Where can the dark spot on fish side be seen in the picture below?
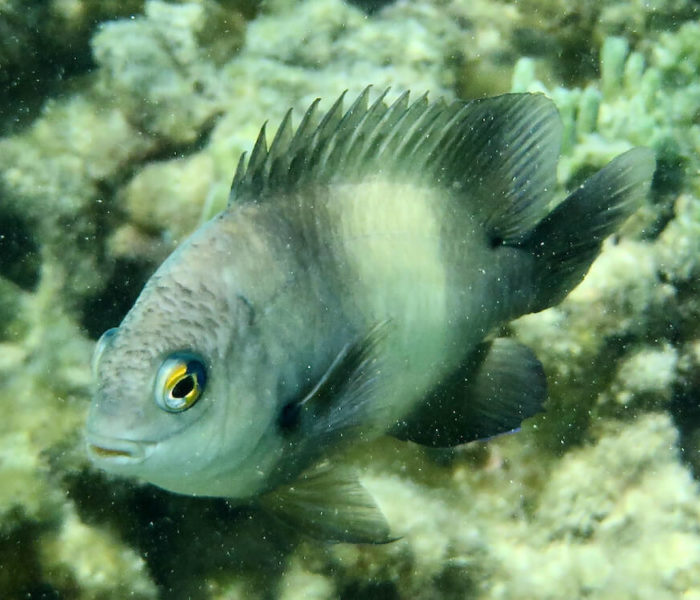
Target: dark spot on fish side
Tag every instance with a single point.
(495, 241)
(290, 416)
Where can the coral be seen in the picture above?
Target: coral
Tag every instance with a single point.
(640, 99)
(594, 498)
(163, 66)
(185, 182)
(93, 561)
(617, 519)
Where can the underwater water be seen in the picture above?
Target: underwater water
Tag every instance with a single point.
(121, 124)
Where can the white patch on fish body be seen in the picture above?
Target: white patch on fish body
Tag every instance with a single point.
(390, 238)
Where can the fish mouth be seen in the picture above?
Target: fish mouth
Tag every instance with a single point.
(116, 452)
(106, 452)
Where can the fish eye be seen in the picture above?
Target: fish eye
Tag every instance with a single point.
(180, 382)
(102, 343)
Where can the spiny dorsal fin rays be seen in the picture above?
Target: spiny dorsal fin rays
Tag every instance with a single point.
(305, 129)
(259, 155)
(284, 135)
(240, 174)
(432, 134)
(276, 163)
(348, 124)
(357, 131)
(404, 127)
(326, 132)
(387, 123)
(301, 165)
(499, 154)
(299, 159)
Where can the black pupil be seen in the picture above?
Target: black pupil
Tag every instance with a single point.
(183, 387)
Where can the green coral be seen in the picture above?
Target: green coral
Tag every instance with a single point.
(642, 101)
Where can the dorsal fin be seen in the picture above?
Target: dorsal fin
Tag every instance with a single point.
(498, 153)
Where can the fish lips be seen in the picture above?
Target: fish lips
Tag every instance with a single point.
(115, 453)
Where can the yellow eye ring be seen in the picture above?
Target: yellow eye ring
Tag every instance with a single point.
(180, 382)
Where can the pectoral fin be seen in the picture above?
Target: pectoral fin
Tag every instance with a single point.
(344, 398)
(491, 392)
(329, 503)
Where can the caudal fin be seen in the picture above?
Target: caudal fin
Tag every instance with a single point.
(566, 241)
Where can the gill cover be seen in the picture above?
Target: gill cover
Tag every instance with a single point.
(104, 341)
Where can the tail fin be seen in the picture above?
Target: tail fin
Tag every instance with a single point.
(566, 241)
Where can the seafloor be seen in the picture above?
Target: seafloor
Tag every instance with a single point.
(121, 125)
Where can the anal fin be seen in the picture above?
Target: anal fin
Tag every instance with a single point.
(328, 503)
(491, 392)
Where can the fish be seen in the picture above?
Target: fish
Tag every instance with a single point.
(353, 287)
